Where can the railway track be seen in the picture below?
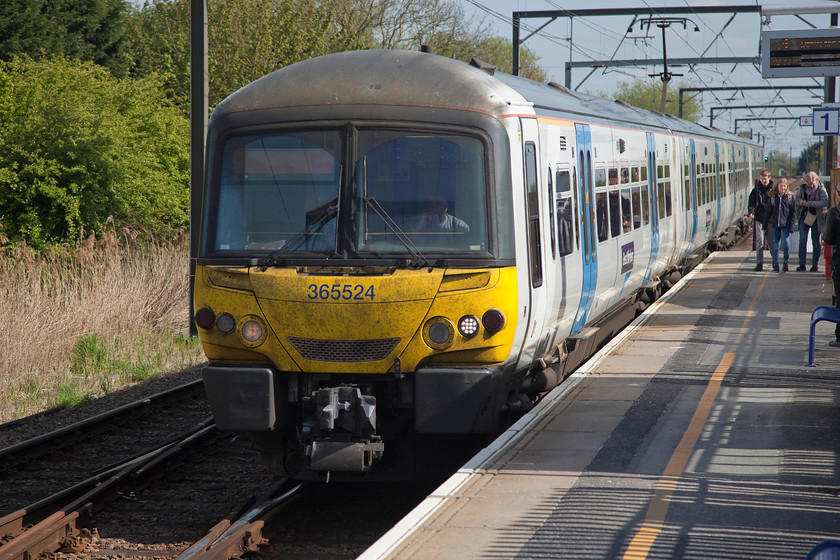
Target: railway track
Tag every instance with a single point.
(153, 478)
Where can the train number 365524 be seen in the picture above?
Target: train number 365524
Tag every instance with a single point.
(347, 292)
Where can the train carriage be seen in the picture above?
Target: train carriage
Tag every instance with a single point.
(396, 245)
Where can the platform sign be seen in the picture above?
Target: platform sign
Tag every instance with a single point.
(806, 120)
(799, 53)
(826, 121)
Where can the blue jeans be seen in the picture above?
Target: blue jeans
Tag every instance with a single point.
(779, 234)
(803, 242)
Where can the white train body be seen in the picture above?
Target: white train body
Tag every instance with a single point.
(580, 211)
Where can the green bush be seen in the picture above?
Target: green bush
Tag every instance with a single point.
(79, 147)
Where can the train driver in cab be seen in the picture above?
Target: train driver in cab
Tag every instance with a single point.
(436, 218)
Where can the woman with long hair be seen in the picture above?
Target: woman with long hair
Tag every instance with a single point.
(779, 221)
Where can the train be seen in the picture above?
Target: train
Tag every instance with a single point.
(399, 250)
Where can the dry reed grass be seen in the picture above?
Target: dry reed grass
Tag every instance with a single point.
(80, 321)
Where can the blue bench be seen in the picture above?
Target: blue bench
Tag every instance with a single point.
(821, 313)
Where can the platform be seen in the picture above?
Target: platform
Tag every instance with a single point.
(698, 432)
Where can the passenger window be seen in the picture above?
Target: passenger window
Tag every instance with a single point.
(615, 213)
(644, 172)
(626, 211)
(601, 215)
(637, 207)
(625, 175)
(563, 202)
(613, 176)
(645, 205)
(600, 177)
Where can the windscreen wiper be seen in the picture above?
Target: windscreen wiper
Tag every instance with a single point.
(314, 226)
(392, 225)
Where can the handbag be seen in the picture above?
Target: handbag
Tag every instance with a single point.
(810, 219)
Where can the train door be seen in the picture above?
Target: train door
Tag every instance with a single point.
(654, 205)
(589, 246)
(718, 187)
(691, 214)
(533, 205)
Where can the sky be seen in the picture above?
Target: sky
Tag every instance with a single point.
(606, 38)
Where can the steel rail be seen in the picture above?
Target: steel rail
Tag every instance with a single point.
(49, 533)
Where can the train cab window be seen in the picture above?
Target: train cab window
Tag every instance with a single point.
(563, 203)
(626, 211)
(601, 215)
(429, 185)
(276, 188)
(636, 194)
(615, 213)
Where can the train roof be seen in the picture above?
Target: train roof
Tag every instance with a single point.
(413, 78)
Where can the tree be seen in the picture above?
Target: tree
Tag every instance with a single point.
(92, 30)
(246, 39)
(497, 51)
(811, 158)
(404, 24)
(79, 147)
(647, 95)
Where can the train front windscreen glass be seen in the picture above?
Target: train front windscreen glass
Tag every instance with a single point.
(369, 193)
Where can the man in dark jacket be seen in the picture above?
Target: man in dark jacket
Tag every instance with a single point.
(831, 236)
(757, 206)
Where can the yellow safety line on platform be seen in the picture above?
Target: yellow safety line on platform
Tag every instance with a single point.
(664, 488)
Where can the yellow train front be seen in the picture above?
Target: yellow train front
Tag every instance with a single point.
(356, 284)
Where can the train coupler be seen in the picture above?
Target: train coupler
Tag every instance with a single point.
(342, 436)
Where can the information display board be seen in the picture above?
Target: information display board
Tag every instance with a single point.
(800, 53)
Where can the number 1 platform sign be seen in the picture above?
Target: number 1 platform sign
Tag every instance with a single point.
(826, 121)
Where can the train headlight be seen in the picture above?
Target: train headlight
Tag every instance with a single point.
(438, 333)
(205, 318)
(493, 320)
(468, 326)
(225, 323)
(252, 331)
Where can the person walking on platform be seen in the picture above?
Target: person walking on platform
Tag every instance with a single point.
(831, 236)
(779, 220)
(810, 200)
(757, 206)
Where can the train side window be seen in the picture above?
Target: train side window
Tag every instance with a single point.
(645, 205)
(626, 211)
(563, 201)
(533, 203)
(625, 175)
(661, 197)
(601, 215)
(615, 213)
(551, 215)
(660, 171)
(637, 206)
(644, 172)
(613, 175)
(575, 199)
(601, 177)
